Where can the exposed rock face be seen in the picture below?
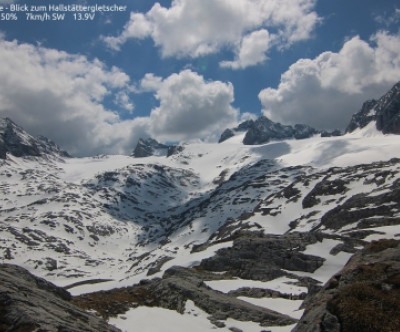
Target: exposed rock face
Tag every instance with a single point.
(385, 112)
(14, 140)
(173, 290)
(149, 147)
(364, 296)
(174, 149)
(28, 303)
(263, 130)
(243, 127)
(264, 257)
(253, 256)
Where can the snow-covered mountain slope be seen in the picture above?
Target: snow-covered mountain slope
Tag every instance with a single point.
(278, 218)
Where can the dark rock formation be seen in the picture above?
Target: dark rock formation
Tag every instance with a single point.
(385, 112)
(263, 130)
(369, 211)
(364, 296)
(227, 133)
(263, 257)
(149, 147)
(172, 291)
(28, 303)
(53, 147)
(174, 149)
(14, 140)
(243, 127)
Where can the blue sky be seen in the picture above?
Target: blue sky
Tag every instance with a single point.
(187, 69)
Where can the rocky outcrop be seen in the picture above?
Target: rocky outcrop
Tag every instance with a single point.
(364, 296)
(253, 256)
(149, 147)
(385, 112)
(243, 127)
(172, 291)
(28, 303)
(263, 130)
(17, 142)
(264, 257)
(174, 149)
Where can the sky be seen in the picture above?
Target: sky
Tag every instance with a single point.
(185, 70)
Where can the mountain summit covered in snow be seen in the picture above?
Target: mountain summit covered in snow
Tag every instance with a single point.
(232, 235)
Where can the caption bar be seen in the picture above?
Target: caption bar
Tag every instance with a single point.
(56, 12)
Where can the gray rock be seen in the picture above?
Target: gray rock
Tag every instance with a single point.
(226, 134)
(369, 211)
(364, 296)
(174, 149)
(149, 147)
(17, 142)
(179, 285)
(263, 130)
(385, 112)
(28, 303)
(260, 257)
(243, 127)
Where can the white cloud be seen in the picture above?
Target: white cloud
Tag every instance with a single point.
(246, 116)
(150, 83)
(60, 95)
(388, 19)
(252, 50)
(192, 28)
(324, 92)
(191, 107)
(137, 27)
(122, 99)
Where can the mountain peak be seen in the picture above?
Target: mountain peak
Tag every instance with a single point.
(16, 141)
(147, 147)
(385, 112)
(263, 130)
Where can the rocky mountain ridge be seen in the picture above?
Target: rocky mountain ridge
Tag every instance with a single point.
(385, 112)
(14, 140)
(262, 130)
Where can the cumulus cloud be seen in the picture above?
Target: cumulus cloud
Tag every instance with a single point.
(190, 107)
(324, 92)
(252, 50)
(62, 96)
(150, 83)
(192, 28)
(124, 101)
(59, 95)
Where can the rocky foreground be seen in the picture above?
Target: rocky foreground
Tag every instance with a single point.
(364, 296)
(29, 303)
